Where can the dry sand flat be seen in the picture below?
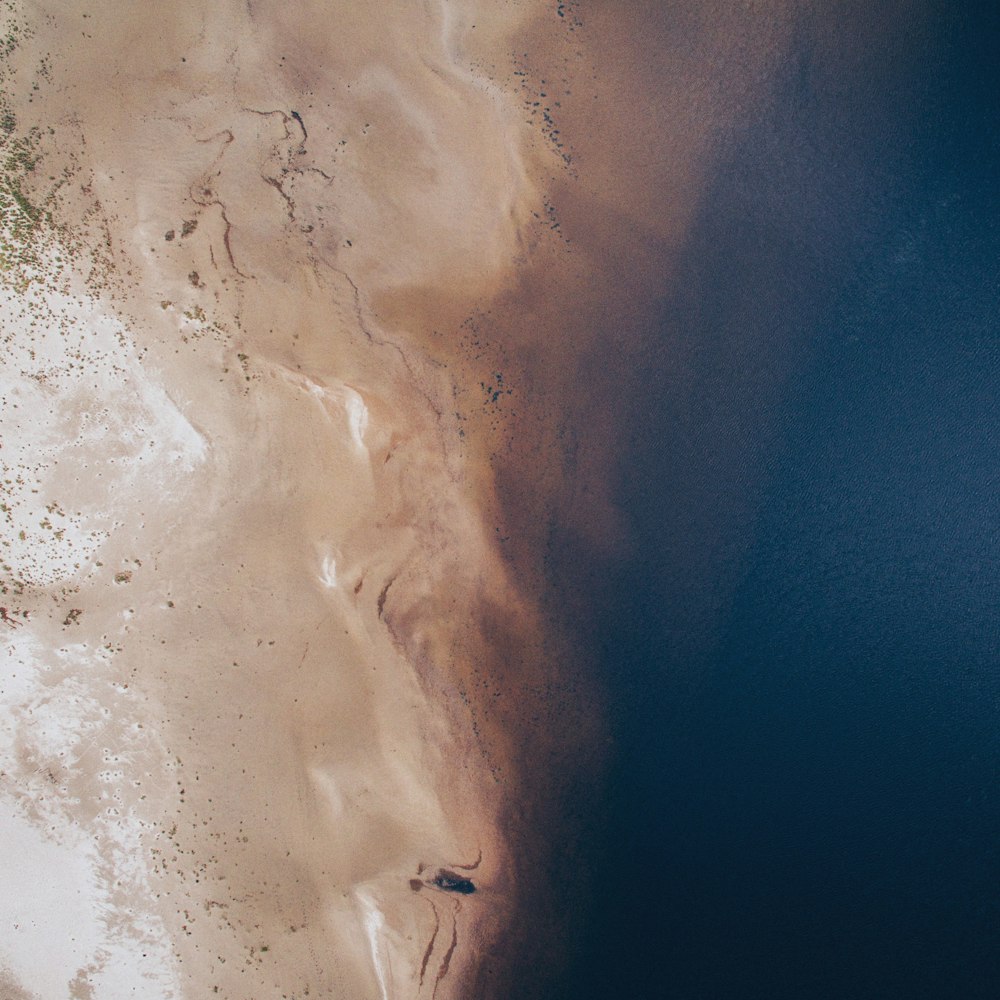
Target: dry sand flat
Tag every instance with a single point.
(238, 542)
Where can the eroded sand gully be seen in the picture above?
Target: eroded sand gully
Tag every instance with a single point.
(317, 281)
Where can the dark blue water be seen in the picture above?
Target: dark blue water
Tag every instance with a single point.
(804, 649)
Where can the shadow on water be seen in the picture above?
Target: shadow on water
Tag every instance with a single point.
(802, 652)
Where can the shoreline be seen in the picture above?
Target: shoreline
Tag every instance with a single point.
(347, 499)
(373, 287)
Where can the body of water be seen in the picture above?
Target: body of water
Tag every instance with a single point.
(803, 653)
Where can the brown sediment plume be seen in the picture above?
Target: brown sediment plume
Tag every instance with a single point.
(385, 347)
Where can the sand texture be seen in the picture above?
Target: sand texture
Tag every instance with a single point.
(238, 540)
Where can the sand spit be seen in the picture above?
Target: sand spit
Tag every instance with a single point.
(241, 545)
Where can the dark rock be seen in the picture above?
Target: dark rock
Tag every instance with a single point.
(451, 882)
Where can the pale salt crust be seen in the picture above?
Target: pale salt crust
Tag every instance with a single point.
(221, 769)
(81, 419)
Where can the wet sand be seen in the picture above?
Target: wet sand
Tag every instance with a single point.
(308, 416)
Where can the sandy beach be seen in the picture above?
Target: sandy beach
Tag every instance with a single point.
(241, 554)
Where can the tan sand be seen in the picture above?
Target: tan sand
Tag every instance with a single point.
(235, 740)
